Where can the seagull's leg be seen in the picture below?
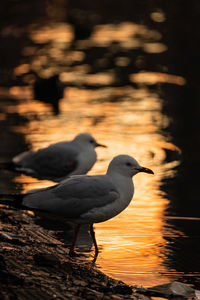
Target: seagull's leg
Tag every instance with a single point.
(76, 230)
(92, 233)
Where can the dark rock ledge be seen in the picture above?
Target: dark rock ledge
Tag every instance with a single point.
(35, 265)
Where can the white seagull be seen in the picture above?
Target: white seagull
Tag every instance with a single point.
(89, 199)
(60, 160)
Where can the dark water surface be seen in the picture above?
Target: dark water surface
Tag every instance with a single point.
(131, 76)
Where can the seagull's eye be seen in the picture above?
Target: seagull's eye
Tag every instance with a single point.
(92, 141)
(128, 164)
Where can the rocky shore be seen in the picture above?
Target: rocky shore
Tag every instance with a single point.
(35, 265)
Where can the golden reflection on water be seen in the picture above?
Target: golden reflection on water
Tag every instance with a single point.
(128, 34)
(57, 32)
(128, 121)
(132, 242)
(155, 77)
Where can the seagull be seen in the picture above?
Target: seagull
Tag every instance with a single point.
(60, 160)
(88, 199)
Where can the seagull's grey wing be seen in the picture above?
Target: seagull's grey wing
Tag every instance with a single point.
(75, 196)
(55, 161)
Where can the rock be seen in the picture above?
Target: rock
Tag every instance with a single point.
(197, 294)
(13, 239)
(79, 282)
(172, 289)
(92, 294)
(67, 266)
(46, 260)
(122, 289)
(7, 277)
(36, 270)
(114, 297)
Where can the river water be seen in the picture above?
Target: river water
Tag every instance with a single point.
(124, 84)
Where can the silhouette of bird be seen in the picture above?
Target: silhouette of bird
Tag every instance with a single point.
(49, 90)
(83, 23)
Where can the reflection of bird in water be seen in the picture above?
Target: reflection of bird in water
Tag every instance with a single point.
(60, 160)
(88, 199)
(49, 90)
(83, 23)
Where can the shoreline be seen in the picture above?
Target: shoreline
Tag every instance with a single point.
(35, 265)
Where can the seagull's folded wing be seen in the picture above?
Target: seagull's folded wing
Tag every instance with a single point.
(53, 162)
(75, 196)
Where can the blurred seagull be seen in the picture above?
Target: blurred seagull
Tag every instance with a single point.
(49, 90)
(87, 199)
(59, 160)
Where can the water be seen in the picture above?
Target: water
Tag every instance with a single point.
(122, 88)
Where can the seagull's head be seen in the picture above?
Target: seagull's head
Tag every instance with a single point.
(87, 140)
(126, 166)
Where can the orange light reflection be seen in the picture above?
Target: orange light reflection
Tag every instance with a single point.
(131, 243)
(155, 77)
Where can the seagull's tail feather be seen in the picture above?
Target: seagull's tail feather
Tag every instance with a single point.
(13, 200)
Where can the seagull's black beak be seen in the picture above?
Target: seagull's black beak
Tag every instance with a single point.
(100, 145)
(146, 170)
